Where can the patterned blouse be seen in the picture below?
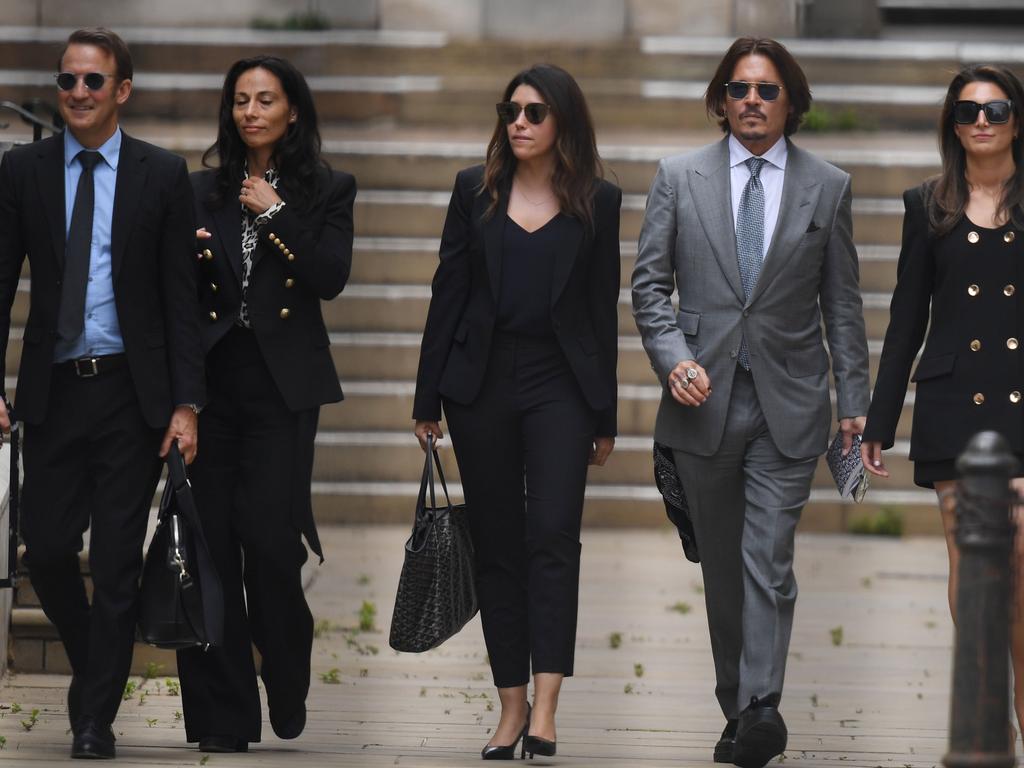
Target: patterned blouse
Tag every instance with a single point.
(251, 224)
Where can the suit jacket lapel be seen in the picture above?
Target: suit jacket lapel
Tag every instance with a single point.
(800, 192)
(50, 178)
(710, 191)
(565, 258)
(494, 230)
(228, 222)
(131, 181)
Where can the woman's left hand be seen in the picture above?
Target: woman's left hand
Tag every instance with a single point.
(257, 195)
(602, 450)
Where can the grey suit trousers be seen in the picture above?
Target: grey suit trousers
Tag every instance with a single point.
(745, 500)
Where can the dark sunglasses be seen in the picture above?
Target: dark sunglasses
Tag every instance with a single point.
(508, 111)
(66, 81)
(738, 89)
(996, 112)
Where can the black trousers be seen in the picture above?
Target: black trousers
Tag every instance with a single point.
(242, 481)
(91, 464)
(522, 448)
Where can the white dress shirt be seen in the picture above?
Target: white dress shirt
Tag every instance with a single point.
(773, 173)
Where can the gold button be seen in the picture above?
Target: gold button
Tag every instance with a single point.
(208, 254)
(272, 236)
(973, 237)
(1009, 290)
(1015, 396)
(214, 287)
(287, 252)
(291, 257)
(978, 398)
(1008, 238)
(282, 246)
(277, 241)
(973, 290)
(284, 313)
(213, 316)
(1012, 343)
(289, 282)
(975, 345)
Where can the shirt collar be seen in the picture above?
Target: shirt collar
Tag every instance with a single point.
(776, 155)
(110, 150)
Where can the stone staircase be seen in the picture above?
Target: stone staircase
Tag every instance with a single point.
(405, 111)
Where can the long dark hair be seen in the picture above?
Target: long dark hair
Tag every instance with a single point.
(297, 154)
(948, 191)
(793, 80)
(577, 163)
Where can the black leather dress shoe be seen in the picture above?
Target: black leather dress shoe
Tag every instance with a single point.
(93, 742)
(290, 725)
(760, 733)
(724, 747)
(223, 744)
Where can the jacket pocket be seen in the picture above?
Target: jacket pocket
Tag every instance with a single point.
(688, 322)
(810, 362)
(933, 367)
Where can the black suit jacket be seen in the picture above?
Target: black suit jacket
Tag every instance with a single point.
(969, 304)
(301, 258)
(463, 305)
(153, 233)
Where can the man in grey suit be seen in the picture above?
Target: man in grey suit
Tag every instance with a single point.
(755, 234)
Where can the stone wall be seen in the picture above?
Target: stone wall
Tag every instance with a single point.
(539, 20)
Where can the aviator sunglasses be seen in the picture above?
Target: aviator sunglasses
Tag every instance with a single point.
(508, 111)
(66, 81)
(738, 89)
(996, 112)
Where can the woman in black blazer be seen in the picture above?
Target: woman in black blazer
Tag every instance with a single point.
(962, 267)
(520, 348)
(275, 240)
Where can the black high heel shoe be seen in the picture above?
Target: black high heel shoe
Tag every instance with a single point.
(508, 752)
(535, 745)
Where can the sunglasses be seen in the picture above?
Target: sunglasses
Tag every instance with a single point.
(66, 81)
(996, 112)
(738, 89)
(508, 111)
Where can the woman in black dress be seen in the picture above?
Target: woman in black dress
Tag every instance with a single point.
(520, 346)
(961, 266)
(275, 240)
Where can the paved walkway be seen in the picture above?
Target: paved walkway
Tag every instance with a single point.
(867, 686)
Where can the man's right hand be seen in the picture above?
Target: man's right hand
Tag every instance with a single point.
(687, 390)
(423, 428)
(5, 419)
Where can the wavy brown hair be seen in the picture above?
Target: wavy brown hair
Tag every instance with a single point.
(949, 191)
(793, 80)
(577, 163)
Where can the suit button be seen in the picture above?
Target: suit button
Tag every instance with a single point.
(291, 256)
(286, 252)
(213, 316)
(1012, 343)
(1015, 397)
(208, 254)
(280, 245)
(289, 282)
(1009, 290)
(285, 312)
(1008, 238)
(973, 237)
(973, 290)
(975, 345)
(732, 354)
(272, 237)
(978, 398)
(214, 287)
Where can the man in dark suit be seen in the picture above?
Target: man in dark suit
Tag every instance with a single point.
(111, 367)
(756, 236)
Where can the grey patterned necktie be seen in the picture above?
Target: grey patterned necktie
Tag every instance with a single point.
(750, 238)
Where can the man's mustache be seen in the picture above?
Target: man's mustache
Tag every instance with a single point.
(752, 113)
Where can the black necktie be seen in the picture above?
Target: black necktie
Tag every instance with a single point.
(77, 251)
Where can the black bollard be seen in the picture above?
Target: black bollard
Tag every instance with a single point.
(980, 711)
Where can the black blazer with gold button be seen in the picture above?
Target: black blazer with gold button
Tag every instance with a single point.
(963, 290)
(463, 304)
(302, 257)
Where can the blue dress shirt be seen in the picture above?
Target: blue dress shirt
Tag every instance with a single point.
(102, 332)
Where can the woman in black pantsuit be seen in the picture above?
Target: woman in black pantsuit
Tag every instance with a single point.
(275, 240)
(520, 346)
(961, 266)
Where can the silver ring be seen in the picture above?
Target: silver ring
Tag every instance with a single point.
(691, 373)
(684, 383)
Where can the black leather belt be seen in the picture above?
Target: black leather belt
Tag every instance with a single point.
(87, 367)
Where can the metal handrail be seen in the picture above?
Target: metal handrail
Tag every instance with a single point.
(38, 124)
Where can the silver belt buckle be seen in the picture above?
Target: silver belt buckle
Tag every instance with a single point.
(86, 368)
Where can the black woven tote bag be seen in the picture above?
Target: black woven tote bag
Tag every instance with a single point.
(437, 588)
